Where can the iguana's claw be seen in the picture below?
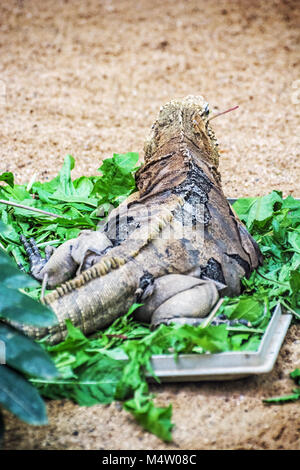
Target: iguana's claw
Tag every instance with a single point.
(35, 259)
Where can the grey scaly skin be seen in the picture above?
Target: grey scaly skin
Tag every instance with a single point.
(175, 245)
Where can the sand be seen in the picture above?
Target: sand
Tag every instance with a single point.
(87, 79)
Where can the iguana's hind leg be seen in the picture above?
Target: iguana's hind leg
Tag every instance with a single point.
(187, 307)
(179, 298)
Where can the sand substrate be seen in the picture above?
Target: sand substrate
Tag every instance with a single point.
(87, 79)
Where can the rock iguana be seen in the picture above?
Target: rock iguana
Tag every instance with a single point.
(175, 245)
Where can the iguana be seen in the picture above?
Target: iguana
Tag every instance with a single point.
(175, 245)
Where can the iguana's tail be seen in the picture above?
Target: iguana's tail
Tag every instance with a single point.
(98, 302)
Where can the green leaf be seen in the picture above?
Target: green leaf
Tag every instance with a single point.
(92, 378)
(99, 378)
(75, 340)
(248, 308)
(117, 179)
(259, 210)
(8, 231)
(126, 161)
(238, 339)
(66, 184)
(252, 344)
(291, 397)
(93, 382)
(45, 190)
(83, 187)
(284, 398)
(67, 191)
(156, 420)
(2, 227)
(295, 281)
(26, 355)
(8, 177)
(17, 193)
(18, 396)
(296, 375)
(294, 240)
(133, 375)
(242, 207)
(263, 208)
(16, 306)
(291, 203)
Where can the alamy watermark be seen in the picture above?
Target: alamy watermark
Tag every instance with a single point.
(148, 222)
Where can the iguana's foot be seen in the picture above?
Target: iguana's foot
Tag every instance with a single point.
(70, 258)
(179, 298)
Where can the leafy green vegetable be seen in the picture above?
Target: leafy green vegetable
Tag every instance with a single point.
(296, 375)
(258, 211)
(117, 182)
(245, 307)
(277, 231)
(77, 192)
(87, 377)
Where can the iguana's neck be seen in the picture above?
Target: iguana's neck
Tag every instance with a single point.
(172, 164)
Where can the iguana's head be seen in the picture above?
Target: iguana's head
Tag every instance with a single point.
(188, 117)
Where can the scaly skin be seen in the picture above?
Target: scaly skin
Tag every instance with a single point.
(179, 222)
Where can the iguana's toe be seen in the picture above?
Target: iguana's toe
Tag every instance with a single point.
(49, 250)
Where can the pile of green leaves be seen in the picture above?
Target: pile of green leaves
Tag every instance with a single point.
(114, 364)
(77, 204)
(275, 224)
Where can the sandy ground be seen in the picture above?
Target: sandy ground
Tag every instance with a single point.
(88, 78)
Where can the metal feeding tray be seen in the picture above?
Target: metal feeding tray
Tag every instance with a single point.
(227, 365)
